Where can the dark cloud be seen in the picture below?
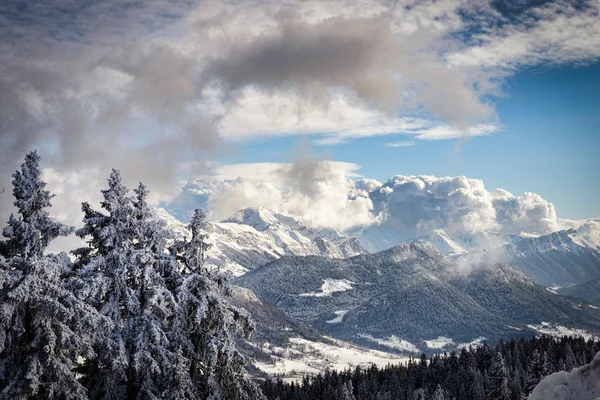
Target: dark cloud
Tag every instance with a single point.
(365, 57)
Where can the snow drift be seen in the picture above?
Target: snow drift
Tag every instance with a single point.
(580, 384)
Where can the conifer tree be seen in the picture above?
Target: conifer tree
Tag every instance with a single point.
(533, 375)
(440, 393)
(44, 328)
(120, 268)
(498, 380)
(347, 391)
(570, 360)
(206, 323)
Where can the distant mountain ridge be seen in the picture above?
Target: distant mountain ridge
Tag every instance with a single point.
(252, 238)
(559, 258)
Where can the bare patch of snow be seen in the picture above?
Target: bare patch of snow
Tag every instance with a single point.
(439, 343)
(548, 328)
(393, 342)
(473, 343)
(340, 316)
(304, 357)
(553, 289)
(514, 327)
(330, 286)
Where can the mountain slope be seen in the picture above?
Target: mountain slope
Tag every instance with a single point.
(558, 258)
(410, 292)
(282, 345)
(588, 291)
(253, 238)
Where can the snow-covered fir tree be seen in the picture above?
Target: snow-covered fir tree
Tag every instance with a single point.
(498, 381)
(206, 323)
(44, 328)
(439, 394)
(174, 328)
(122, 279)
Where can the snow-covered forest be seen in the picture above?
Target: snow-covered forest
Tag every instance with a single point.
(507, 371)
(132, 315)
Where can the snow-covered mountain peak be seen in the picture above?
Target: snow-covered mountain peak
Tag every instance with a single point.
(416, 250)
(567, 240)
(256, 237)
(452, 243)
(442, 240)
(263, 218)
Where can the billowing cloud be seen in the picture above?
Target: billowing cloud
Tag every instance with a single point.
(529, 213)
(417, 204)
(317, 192)
(363, 56)
(590, 230)
(322, 194)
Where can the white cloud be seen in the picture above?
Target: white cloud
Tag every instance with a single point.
(407, 143)
(555, 32)
(443, 132)
(320, 193)
(316, 192)
(529, 213)
(590, 230)
(141, 86)
(416, 204)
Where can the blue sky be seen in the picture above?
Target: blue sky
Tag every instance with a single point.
(549, 143)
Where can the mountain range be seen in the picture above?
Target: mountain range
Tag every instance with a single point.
(252, 238)
(559, 258)
(442, 289)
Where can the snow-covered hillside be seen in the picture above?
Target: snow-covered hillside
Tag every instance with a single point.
(559, 258)
(252, 238)
(283, 346)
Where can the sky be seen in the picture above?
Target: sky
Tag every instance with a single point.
(503, 93)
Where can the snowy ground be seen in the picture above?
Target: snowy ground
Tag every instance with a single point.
(580, 384)
(439, 343)
(553, 289)
(473, 343)
(340, 316)
(551, 329)
(307, 357)
(394, 342)
(330, 286)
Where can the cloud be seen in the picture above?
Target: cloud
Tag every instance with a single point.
(315, 191)
(147, 85)
(443, 132)
(552, 33)
(321, 193)
(415, 205)
(529, 213)
(363, 57)
(407, 143)
(590, 230)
